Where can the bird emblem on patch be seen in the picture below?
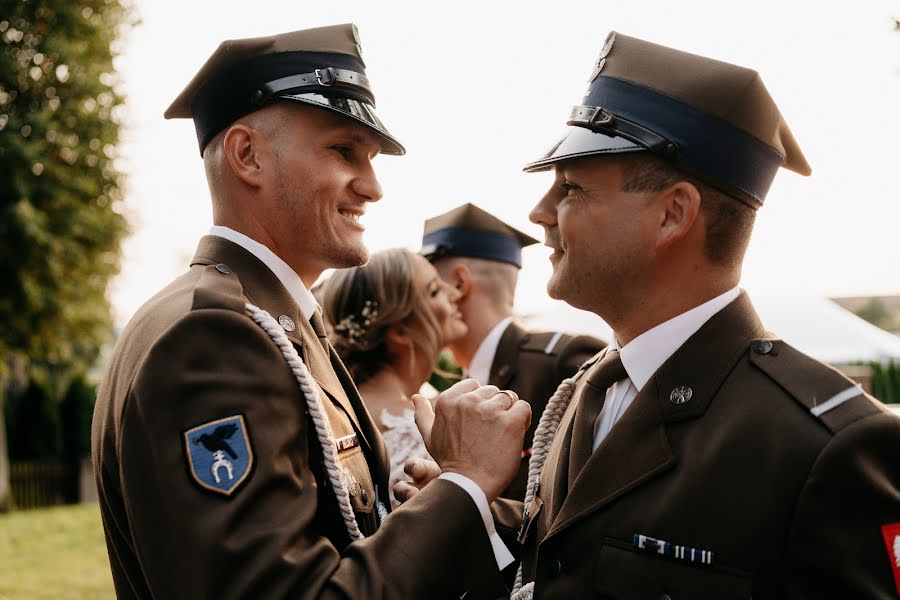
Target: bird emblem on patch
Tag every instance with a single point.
(219, 454)
(891, 535)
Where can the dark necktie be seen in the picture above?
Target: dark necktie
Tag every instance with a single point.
(318, 326)
(608, 371)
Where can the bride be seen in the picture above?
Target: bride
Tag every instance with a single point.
(388, 321)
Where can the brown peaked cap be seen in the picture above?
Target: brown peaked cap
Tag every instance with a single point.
(470, 231)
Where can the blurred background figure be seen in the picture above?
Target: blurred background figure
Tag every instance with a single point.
(388, 320)
(480, 256)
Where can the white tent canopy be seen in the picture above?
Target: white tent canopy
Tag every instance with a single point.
(816, 326)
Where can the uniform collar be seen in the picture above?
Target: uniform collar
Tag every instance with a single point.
(285, 274)
(480, 367)
(647, 352)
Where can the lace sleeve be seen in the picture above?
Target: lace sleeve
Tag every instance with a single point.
(403, 440)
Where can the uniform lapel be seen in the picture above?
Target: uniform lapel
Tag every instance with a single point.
(637, 450)
(263, 288)
(507, 356)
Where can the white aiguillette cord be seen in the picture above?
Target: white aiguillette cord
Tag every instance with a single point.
(543, 439)
(316, 413)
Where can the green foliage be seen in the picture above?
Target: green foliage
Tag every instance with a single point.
(446, 374)
(33, 425)
(886, 382)
(60, 221)
(42, 428)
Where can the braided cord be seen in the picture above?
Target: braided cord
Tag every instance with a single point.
(543, 439)
(316, 413)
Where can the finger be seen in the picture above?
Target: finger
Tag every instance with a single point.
(521, 412)
(485, 392)
(421, 470)
(461, 387)
(403, 491)
(424, 417)
(501, 401)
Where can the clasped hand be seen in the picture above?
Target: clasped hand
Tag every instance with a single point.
(476, 431)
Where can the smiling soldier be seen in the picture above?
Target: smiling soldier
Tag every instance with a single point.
(234, 457)
(699, 456)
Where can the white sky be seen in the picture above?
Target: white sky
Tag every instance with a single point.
(474, 90)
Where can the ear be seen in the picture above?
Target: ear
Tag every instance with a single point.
(462, 280)
(397, 336)
(681, 205)
(242, 146)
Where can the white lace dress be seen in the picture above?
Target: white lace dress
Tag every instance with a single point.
(403, 440)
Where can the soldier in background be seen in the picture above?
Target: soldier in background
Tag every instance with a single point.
(481, 256)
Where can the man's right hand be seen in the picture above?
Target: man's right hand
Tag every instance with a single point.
(476, 431)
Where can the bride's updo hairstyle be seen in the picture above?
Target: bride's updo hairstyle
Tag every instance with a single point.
(362, 303)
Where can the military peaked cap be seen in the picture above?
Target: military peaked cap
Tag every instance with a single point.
(712, 119)
(470, 231)
(322, 67)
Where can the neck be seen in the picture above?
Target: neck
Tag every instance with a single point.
(650, 310)
(480, 321)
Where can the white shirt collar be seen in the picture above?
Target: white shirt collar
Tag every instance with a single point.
(285, 274)
(480, 367)
(646, 353)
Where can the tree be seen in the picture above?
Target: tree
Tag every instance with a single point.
(60, 222)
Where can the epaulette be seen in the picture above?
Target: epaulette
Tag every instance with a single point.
(544, 342)
(218, 287)
(828, 395)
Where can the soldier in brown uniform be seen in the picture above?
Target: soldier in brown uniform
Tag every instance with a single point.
(700, 456)
(480, 256)
(233, 455)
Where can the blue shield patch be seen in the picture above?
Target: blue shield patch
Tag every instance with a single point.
(219, 454)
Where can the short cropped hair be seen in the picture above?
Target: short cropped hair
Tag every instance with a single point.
(729, 220)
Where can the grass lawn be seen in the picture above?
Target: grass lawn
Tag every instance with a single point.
(54, 553)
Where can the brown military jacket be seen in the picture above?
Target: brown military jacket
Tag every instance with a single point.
(532, 364)
(773, 478)
(196, 390)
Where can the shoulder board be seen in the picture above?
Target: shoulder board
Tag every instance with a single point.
(218, 287)
(826, 393)
(544, 342)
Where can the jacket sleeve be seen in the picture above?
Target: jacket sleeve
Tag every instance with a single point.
(265, 539)
(837, 547)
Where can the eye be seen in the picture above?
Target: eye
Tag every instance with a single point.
(344, 151)
(567, 187)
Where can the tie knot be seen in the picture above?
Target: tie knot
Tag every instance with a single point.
(607, 371)
(318, 325)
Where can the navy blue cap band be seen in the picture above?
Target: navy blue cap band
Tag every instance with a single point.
(474, 243)
(706, 145)
(230, 95)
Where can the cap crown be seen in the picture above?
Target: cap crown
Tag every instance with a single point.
(321, 66)
(470, 231)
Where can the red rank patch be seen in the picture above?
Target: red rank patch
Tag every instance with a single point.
(891, 534)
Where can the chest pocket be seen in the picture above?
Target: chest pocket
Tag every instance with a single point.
(623, 573)
(354, 467)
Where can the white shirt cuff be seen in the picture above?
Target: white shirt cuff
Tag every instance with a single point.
(501, 553)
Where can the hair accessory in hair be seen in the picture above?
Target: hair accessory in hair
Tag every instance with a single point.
(354, 327)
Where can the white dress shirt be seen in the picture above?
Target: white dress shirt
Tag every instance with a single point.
(480, 367)
(307, 303)
(285, 274)
(646, 353)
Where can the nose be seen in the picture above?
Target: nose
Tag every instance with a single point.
(366, 185)
(544, 212)
(453, 293)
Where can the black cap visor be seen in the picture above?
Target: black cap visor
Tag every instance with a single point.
(359, 111)
(578, 142)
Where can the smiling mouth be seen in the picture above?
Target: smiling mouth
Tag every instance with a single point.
(353, 215)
